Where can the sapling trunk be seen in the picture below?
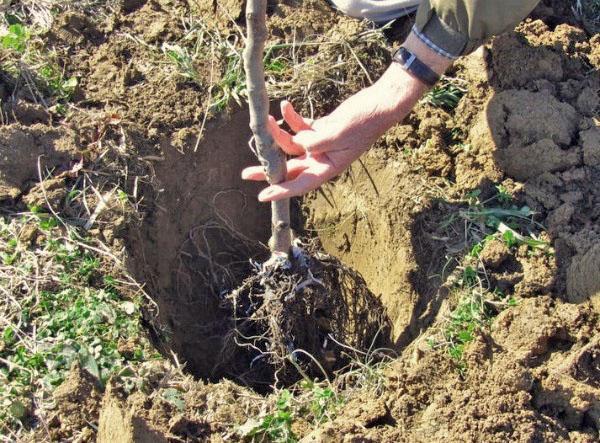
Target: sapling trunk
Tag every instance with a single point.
(270, 156)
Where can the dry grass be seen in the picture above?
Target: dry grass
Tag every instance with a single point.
(41, 13)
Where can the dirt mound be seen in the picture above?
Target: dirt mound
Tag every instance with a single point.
(524, 382)
(178, 409)
(77, 401)
(534, 131)
(25, 148)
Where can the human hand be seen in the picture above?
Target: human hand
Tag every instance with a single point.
(323, 148)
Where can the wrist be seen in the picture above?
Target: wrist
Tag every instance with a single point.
(400, 90)
(436, 62)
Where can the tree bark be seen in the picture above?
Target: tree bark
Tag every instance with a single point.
(269, 154)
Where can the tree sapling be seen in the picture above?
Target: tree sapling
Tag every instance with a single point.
(270, 156)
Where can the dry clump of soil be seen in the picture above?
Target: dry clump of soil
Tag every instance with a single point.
(178, 408)
(22, 146)
(76, 407)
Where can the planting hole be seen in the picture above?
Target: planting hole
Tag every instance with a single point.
(195, 245)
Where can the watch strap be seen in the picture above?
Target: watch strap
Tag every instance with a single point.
(411, 63)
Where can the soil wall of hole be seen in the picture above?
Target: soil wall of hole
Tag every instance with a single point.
(182, 250)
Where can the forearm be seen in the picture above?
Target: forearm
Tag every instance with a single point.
(327, 146)
(368, 114)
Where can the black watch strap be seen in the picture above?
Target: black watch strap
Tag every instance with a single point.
(412, 64)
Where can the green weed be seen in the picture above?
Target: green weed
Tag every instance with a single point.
(184, 62)
(232, 85)
(37, 66)
(16, 38)
(317, 402)
(59, 312)
(496, 219)
(324, 402)
(503, 196)
(447, 95)
(59, 86)
(277, 426)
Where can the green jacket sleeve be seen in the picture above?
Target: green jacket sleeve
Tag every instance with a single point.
(456, 27)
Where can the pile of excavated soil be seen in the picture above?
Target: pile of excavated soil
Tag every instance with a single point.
(536, 129)
(528, 121)
(534, 378)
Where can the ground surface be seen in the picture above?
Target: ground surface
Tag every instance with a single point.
(475, 223)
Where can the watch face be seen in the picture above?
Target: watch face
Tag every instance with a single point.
(403, 55)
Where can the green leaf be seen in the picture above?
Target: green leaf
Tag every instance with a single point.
(173, 396)
(8, 335)
(17, 410)
(88, 362)
(16, 38)
(465, 336)
(283, 402)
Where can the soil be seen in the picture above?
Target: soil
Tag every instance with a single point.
(529, 121)
(20, 149)
(522, 385)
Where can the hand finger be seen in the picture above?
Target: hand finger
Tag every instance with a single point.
(257, 173)
(254, 173)
(314, 142)
(296, 122)
(284, 139)
(302, 184)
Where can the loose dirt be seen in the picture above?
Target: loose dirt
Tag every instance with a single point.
(528, 121)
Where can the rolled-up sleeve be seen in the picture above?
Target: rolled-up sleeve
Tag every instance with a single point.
(457, 27)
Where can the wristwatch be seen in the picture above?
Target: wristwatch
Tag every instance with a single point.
(416, 67)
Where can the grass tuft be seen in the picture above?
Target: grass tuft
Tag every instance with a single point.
(315, 402)
(446, 94)
(29, 62)
(498, 218)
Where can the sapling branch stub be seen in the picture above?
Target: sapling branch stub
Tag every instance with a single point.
(270, 156)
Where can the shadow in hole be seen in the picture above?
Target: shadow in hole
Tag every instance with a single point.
(201, 226)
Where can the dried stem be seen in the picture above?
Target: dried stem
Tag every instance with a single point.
(270, 156)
